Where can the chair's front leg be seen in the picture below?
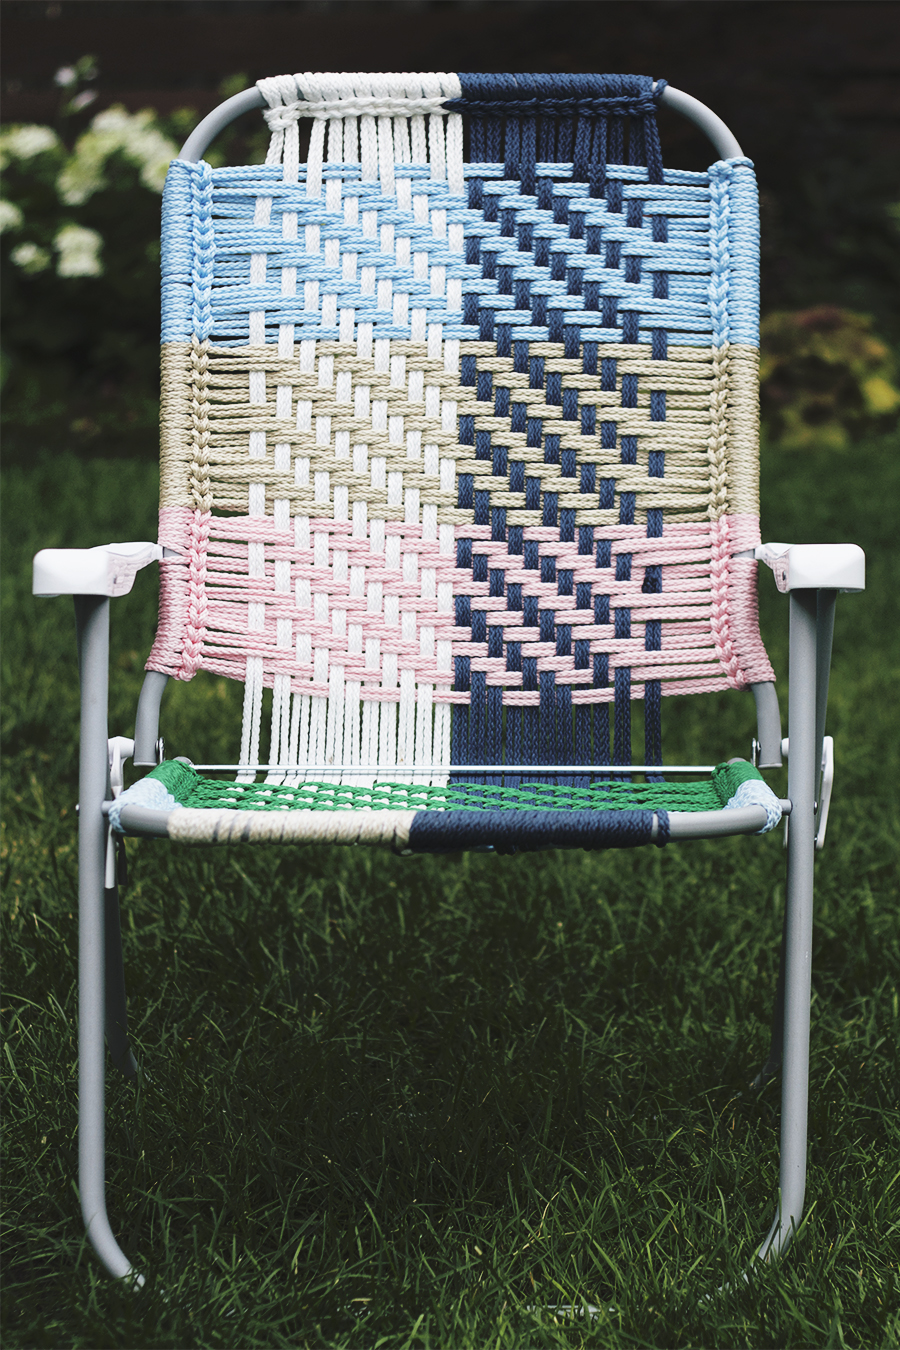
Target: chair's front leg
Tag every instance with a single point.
(92, 619)
(776, 1043)
(798, 925)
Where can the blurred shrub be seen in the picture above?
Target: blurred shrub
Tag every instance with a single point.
(80, 272)
(825, 378)
(80, 281)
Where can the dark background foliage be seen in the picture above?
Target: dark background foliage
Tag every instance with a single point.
(810, 89)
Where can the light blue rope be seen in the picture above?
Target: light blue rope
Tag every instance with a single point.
(734, 253)
(204, 249)
(754, 792)
(177, 254)
(712, 256)
(149, 792)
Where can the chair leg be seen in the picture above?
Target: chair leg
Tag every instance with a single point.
(116, 1005)
(798, 925)
(92, 619)
(776, 1044)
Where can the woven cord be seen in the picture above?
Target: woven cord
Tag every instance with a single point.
(438, 458)
(190, 789)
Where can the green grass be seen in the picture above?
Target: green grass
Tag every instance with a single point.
(417, 1102)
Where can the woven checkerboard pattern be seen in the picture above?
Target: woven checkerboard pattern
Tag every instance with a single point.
(459, 455)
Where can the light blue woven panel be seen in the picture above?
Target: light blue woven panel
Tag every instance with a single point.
(710, 255)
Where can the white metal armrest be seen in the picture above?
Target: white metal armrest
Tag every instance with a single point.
(109, 569)
(815, 567)
(827, 569)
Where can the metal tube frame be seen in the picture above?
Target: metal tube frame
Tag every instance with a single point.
(146, 722)
(99, 938)
(100, 968)
(825, 607)
(792, 1018)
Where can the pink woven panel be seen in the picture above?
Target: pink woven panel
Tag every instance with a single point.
(708, 612)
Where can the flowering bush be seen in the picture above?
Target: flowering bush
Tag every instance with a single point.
(825, 378)
(80, 259)
(138, 138)
(79, 174)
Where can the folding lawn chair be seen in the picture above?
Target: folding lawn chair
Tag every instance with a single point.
(459, 457)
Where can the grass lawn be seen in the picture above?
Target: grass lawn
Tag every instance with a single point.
(417, 1102)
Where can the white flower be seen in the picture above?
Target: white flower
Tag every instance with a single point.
(10, 216)
(30, 257)
(25, 142)
(65, 76)
(115, 129)
(79, 252)
(82, 100)
(83, 175)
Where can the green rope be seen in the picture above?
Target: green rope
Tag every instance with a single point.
(189, 788)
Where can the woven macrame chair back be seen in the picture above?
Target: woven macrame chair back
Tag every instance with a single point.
(459, 455)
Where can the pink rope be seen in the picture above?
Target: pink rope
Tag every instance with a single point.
(744, 604)
(174, 533)
(197, 604)
(720, 619)
(707, 607)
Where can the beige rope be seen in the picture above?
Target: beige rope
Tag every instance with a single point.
(201, 492)
(743, 431)
(175, 425)
(718, 435)
(193, 825)
(208, 416)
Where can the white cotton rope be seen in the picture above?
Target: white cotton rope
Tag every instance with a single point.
(382, 121)
(194, 825)
(355, 106)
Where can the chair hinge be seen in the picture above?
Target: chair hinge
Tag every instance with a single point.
(824, 787)
(120, 749)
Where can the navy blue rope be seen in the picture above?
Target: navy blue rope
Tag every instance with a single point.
(567, 118)
(652, 727)
(653, 576)
(523, 831)
(588, 121)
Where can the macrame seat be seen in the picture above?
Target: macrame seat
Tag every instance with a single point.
(459, 461)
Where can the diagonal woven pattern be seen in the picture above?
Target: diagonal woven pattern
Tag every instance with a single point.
(457, 456)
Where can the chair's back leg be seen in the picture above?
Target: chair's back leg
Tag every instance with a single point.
(799, 916)
(116, 1005)
(146, 724)
(92, 619)
(825, 605)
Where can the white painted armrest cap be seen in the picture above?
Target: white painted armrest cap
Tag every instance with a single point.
(109, 569)
(797, 567)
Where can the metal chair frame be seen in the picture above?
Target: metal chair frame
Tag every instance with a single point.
(812, 574)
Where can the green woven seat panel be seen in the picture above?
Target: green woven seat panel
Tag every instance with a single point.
(191, 789)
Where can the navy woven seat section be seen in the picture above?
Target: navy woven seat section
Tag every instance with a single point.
(521, 832)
